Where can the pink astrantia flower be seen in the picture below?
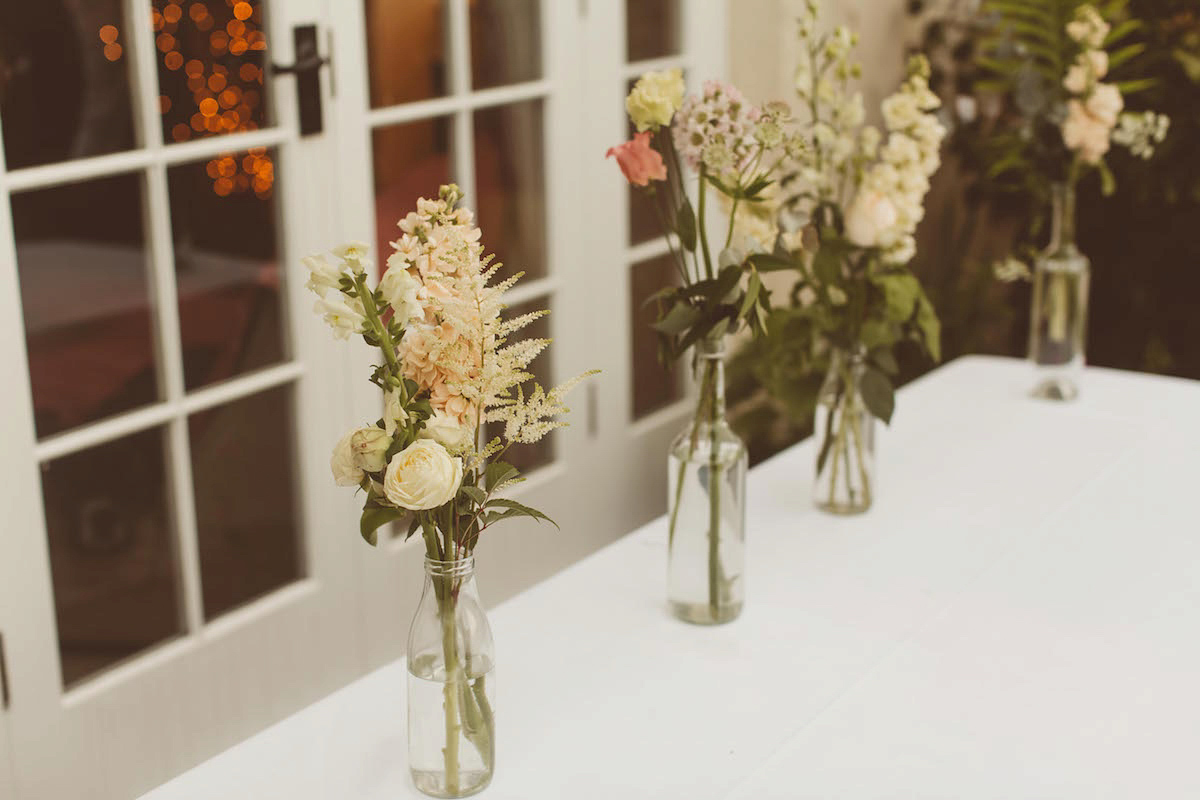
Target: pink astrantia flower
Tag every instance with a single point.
(639, 162)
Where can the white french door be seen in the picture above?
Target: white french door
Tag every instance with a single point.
(170, 575)
(642, 406)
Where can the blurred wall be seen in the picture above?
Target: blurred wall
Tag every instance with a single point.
(762, 44)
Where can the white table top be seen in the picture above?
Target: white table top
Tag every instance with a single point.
(1016, 618)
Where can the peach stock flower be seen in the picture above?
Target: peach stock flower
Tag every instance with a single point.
(639, 162)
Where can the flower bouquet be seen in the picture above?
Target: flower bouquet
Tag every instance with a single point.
(734, 150)
(450, 364)
(1046, 61)
(857, 198)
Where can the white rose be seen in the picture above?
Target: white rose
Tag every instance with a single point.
(1105, 103)
(869, 218)
(369, 446)
(655, 98)
(345, 471)
(446, 430)
(422, 476)
(400, 291)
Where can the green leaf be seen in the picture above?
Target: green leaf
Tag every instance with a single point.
(753, 287)
(1125, 53)
(685, 225)
(515, 509)
(930, 327)
(681, 317)
(497, 473)
(900, 291)
(476, 494)
(878, 394)
(374, 518)
(1132, 87)
(1108, 182)
(883, 358)
(769, 262)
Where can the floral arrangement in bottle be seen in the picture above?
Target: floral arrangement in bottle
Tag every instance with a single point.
(451, 363)
(734, 151)
(1048, 61)
(856, 195)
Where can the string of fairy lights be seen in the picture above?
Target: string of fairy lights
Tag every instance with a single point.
(211, 82)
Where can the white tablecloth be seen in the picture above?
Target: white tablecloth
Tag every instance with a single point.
(1018, 617)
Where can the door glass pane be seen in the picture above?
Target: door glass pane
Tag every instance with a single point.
(81, 258)
(64, 80)
(410, 161)
(527, 457)
(247, 523)
(212, 63)
(407, 50)
(510, 186)
(654, 386)
(112, 556)
(506, 42)
(226, 265)
(652, 29)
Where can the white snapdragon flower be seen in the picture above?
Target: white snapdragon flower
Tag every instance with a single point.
(393, 411)
(400, 290)
(1084, 133)
(1088, 27)
(322, 276)
(345, 315)
(354, 256)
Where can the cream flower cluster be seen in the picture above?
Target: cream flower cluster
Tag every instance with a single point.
(1141, 132)
(1092, 112)
(890, 198)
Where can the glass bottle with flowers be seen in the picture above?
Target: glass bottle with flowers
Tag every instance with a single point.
(1047, 60)
(734, 151)
(450, 364)
(857, 199)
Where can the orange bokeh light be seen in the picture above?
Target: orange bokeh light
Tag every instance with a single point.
(164, 104)
(181, 132)
(230, 97)
(112, 51)
(208, 107)
(216, 82)
(173, 60)
(197, 12)
(194, 67)
(235, 27)
(248, 72)
(197, 122)
(165, 42)
(172, 13)
(238, 46)
(223, 186)
(242, 10)
(109, 33)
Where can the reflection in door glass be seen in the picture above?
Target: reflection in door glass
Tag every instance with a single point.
(652, 29)
(64, 80)
(226, 265)
(506, 42)
(91, 351)
(410, 161)
(112, 558)
(211, 57)
(510, 186)
(246, 518)
(406, 50)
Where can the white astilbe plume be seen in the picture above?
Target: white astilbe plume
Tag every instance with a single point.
(528, 419)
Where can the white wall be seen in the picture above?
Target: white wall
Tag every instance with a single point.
(762, 44)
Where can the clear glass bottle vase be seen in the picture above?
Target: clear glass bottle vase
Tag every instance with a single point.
(707, 503)
(451, 685)
(1058, 317)
(845, 431)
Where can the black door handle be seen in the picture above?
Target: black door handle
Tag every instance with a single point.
(307, 70)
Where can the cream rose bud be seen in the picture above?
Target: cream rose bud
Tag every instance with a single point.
(422, 476)
(655, 98)
(370, 446)
(447, 431)
(342, 464)
(869, 217)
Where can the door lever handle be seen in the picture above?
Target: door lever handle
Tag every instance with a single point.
(307, 70)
